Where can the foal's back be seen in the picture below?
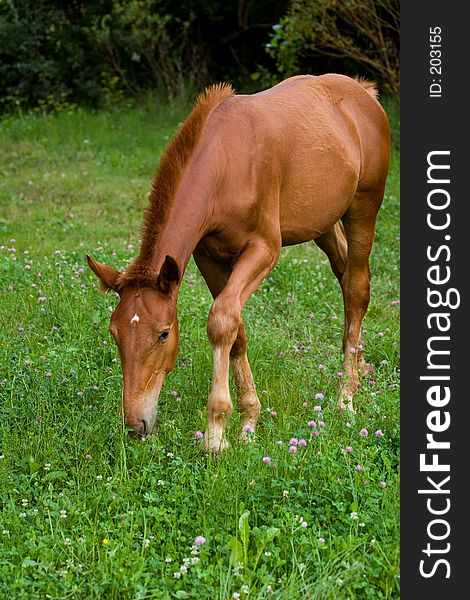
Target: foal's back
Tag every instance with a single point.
(299, 152)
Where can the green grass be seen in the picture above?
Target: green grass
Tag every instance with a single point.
(86, 512)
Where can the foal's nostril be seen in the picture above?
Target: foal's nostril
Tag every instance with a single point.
(144, 428)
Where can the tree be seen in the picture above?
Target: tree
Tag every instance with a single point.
(363, 33)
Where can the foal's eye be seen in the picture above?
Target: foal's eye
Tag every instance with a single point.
(164, 335)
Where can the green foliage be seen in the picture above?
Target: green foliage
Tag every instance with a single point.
(48, 52)
(240, 547)
(57, 55)
(54, 53)
(354, 35)
(146, 45)
(88, 512)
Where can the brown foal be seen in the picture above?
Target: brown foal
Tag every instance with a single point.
(243, 176)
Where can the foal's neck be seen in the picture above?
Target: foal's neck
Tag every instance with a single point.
(188, 219)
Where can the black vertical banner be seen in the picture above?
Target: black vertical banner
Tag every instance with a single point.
(435, 236)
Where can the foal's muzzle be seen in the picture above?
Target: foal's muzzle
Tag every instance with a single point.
(140, 409)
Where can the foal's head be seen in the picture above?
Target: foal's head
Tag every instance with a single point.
(144, 326)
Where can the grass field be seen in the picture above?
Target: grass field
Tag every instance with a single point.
(87, 512)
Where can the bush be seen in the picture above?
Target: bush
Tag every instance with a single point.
(55, 53)
(352, 34)
(48, 53)
(148, 46)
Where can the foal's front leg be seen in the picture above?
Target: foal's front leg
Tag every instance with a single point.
(223, 326)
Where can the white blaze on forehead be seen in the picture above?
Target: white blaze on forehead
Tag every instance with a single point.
(135, 318)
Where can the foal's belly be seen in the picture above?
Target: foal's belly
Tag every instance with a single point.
(308, 215)
(317, 191)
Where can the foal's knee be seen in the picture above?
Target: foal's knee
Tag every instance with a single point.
(223, 322)
(219, 406)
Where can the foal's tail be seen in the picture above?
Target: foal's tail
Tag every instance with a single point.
(369, 86)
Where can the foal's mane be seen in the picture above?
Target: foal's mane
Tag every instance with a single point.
(166, 179)
(369, 86)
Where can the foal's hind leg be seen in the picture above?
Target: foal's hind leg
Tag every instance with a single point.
(359, 225)
(335, 246)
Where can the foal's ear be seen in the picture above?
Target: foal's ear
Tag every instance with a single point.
(106, 275)
(169, 275)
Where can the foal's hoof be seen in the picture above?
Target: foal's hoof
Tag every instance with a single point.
(212, 446)
(346, 403)
(368, 370)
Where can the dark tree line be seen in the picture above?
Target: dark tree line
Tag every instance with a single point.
(56, 52)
